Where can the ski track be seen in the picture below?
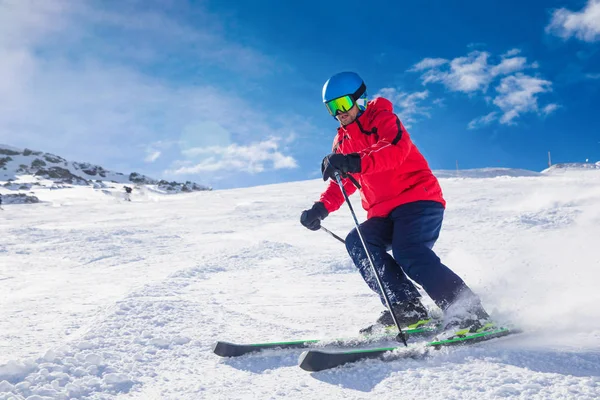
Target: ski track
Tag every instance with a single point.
(124, 301)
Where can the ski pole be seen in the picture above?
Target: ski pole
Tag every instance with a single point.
(400, 336)
(333, 234)
(344, 242)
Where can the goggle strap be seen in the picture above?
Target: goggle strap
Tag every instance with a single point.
(360, 91)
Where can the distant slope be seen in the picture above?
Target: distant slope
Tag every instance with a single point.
(484, 173)
(571, 166)
(15, 163)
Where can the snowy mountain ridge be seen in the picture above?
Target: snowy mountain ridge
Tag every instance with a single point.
(571, 166)
(26, 170)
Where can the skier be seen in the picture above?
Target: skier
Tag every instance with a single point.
(128, 191)
(404, 205)
(1, 203)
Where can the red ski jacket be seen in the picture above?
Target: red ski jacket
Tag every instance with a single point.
(393, 171)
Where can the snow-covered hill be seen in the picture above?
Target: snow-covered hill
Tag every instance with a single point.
(114, 300)
(25, 171)
(558, 168)
(485, 173)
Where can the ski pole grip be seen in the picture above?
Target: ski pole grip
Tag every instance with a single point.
(338, 178)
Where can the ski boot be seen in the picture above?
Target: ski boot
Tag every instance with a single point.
(469, 321)
(410, 314)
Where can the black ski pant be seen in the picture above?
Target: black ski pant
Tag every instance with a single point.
(409, 231)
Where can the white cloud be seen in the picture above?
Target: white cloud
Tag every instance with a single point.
(550, 108)
(584, 24)
(483, 121)
(427, 63)
(408, 105)
(511, 52)
(508, 66)
(592, 76)
(61, 82)
(518, 94)
(152, 156)
(253, 158)
(471, 73)
(465, 74)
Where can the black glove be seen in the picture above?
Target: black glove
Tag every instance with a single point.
(341, 163)
(311, 219)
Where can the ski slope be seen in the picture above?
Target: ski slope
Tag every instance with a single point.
(105, 299)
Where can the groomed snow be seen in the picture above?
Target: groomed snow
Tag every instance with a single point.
(105, 299)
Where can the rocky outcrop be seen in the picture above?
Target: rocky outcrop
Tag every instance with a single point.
(141, 179)
(47, 166)
(51, 158)
(90, 169)
(9, 152)
(176, 187)
(19, 198)
(4, 161)
(61, 175)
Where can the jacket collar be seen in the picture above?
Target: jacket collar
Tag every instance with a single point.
(363, 121)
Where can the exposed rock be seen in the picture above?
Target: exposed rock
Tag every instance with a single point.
(141, 179)
(176, 187)
(4, 161)
(20, 198)
(28, 152)
(54, 159)
(61, 173)
(38, 163)
(90, 169)
(8, 152)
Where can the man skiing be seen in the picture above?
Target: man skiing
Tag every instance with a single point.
(128, 191)
(404, 205)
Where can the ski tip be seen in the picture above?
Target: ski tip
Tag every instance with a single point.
(307, 361)
(224, 349)
(315, 360)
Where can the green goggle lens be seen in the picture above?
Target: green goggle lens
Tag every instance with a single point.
(340, 105)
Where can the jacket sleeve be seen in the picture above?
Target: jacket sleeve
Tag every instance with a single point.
(391, 149)
(332, 197)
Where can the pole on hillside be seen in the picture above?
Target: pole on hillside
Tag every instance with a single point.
(549, 160)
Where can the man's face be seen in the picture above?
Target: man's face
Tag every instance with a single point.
(349, 116)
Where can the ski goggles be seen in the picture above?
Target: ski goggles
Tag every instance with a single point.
(340, 105)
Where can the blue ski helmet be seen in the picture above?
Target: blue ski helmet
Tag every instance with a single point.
(346, 83)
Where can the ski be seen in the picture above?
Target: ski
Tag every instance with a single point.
(227, 349)
(318, 360)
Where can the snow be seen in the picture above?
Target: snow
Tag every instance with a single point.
(106, 299)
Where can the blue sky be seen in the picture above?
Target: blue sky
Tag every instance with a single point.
(227, 93)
